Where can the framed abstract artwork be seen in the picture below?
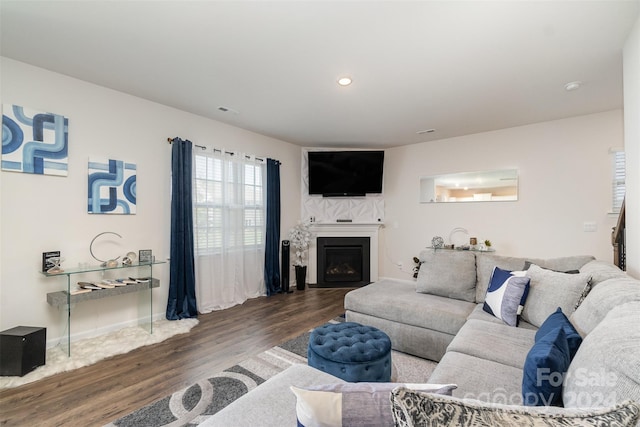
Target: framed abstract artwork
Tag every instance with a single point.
(34, 142)
(112, 187)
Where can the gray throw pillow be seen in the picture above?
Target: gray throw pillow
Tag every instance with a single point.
(413, 408)
(448, 273)
(549, 290)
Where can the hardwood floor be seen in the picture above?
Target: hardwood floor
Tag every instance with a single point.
(100, 393)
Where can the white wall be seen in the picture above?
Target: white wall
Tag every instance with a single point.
(632, 147)
(564, 176)
(41, 213)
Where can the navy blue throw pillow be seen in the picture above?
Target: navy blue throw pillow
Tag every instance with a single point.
(559, 320)
(544, 370)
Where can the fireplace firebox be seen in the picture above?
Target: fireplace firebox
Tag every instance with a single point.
(343, 261)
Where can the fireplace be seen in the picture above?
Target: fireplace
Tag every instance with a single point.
(343, 261)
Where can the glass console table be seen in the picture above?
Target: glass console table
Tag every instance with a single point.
(64, 300)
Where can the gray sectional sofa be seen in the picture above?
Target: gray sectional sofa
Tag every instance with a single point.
(441, 317)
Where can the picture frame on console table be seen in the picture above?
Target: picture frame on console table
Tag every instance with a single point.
(145, 256)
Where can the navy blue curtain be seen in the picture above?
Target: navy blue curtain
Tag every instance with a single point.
(182, 284)
(271, 258)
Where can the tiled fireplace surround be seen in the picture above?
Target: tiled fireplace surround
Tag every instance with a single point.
(367, 214)
(352, 229)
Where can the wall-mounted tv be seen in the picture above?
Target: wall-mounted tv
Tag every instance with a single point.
(345, 173)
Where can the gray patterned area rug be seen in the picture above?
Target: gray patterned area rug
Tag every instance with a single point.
(196, 403)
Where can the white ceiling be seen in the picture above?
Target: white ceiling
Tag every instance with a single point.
(459, 67)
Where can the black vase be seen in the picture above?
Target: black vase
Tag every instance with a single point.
(301, 276)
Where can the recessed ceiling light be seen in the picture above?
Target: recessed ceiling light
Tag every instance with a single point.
(344, 81)
(422, 132)
(572, 86)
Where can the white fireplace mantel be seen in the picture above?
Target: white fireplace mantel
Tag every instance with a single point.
(343, 229)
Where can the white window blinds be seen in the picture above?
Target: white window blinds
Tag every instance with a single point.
(618, 181)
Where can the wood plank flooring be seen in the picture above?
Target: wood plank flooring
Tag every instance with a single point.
(107, 390)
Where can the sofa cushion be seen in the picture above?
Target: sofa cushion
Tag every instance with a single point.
(486, 262)
(479, 378)
(549, 290)
(559, 320)
(544, 369)
(606, 368)
(412, 408)
(352, 404)
(601, 300)
(479, 314)
(448, 273)
(397, 301)
(601, 271)
(494, 341)
(506, 295)
(271, 403)
(562, 264)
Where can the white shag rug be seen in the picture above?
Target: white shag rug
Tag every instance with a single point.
(89, 351)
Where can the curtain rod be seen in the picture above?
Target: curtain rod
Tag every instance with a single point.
(170, 140)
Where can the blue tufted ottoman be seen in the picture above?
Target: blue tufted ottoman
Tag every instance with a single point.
(351, 351)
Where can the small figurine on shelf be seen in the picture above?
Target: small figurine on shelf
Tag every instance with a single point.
(56, 265)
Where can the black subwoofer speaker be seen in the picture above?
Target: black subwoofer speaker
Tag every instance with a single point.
(22, 349)
(284, 273)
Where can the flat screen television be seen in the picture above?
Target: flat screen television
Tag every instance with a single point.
(345, 173)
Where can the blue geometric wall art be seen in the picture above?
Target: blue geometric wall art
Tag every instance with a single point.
(112, 187)
(34, 141)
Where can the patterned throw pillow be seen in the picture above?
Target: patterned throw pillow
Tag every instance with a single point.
(414, 408)
(506, 295)
(351, 404)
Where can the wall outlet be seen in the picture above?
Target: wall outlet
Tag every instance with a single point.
(590, 226)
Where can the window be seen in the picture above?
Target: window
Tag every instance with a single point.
(229, 208)
(618, 181)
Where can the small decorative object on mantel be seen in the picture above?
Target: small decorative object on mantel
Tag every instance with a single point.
(300, 237)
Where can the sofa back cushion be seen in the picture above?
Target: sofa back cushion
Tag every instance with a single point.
(601, 271)
(549, 290)
(448, 273)
(485, 264)
(605, 369)
(602, 298)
